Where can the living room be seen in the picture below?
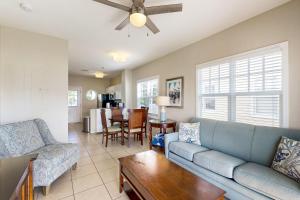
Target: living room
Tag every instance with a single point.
(218, 87)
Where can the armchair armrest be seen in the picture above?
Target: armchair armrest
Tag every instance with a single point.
(171, 137)
(45, 132)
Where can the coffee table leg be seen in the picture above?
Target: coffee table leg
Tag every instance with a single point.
(121, 181)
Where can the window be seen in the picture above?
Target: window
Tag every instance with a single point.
(147, 90)
(210, 104)
(248, 88)
(73, 98)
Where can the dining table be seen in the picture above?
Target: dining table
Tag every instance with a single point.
(123, 121)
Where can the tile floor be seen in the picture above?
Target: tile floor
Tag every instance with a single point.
(96, 177)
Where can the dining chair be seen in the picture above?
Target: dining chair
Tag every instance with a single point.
(135, 124)
(145, 119)
(112, 131)
(115, 113)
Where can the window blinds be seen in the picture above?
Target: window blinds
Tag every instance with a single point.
(244, 89)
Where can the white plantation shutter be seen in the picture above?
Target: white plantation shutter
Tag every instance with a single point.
(247, 88)
(214, 91)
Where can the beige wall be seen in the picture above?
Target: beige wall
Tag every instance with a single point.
(276, 26)
(34, 79)
(88, 83)
(116, 80)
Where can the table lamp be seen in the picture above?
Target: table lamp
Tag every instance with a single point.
(163, 101)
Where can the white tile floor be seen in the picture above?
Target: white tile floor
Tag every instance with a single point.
(96, 177)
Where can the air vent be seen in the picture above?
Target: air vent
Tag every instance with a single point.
(84, 70)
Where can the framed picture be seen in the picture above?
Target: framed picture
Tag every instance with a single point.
(175, 91)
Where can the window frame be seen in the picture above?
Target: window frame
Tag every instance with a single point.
(284, 108)
(77, 98)
(158, 89)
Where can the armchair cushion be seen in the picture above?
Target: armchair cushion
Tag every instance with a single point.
(53, 161)
(45, 132)
(134, 130)
(21, 138)
(3, 150)
(113, 129)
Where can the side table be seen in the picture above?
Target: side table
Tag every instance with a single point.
(163, 126)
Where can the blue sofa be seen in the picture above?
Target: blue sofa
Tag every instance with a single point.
(34, 137)
(237, 158)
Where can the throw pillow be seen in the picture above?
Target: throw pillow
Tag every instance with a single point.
(189, 132)
(287, 158)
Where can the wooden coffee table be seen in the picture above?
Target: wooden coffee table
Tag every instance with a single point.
(153, 177)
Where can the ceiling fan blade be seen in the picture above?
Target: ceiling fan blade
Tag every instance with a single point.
(123, 24)
(154, 10)
(152, 26)
(115, 5)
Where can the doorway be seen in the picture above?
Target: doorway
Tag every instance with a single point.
(74, 104)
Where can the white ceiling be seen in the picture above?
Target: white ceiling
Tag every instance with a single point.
(89, 27)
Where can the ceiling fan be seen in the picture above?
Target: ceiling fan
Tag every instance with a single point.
(139, 14)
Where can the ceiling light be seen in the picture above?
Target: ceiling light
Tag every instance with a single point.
(25, 6)
(99, 74)
(138, 19)
(119, 57)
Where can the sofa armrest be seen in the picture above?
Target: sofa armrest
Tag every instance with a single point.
(171, 137)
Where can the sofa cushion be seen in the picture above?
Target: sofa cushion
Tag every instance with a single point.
(186, 150)
(217, 162)
(267, 181)
(21, 138)
(234, 139)
(265, 142)
(207, 129)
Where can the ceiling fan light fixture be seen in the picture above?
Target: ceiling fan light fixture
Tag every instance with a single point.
(119, 57)
(138, 19)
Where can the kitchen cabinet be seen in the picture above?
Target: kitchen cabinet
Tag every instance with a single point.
(116, 90)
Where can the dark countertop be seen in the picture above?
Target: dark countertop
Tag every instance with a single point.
(11, 171)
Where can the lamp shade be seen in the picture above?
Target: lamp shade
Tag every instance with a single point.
(163, 101)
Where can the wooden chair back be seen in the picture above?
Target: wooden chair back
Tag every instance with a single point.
(103, 120)
(135, 118)
(145, 114)
(116, 113)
